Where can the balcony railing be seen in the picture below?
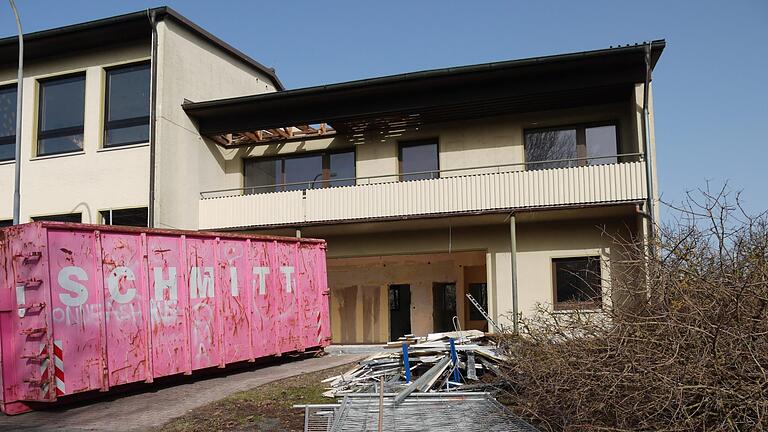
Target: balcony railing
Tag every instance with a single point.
(459, 190)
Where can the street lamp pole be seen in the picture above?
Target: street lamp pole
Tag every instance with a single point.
(17, 181)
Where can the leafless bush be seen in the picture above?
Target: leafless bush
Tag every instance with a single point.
(684, 345)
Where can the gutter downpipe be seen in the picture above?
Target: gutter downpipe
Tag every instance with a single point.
(646, 148)
(513, 263)
(19, 98)
(152, 119)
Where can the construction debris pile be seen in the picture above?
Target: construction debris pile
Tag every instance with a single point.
(452, 361)
(436, 383)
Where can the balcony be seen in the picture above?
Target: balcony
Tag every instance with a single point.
(455, 191)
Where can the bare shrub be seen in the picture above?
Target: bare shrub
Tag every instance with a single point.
(683, 346)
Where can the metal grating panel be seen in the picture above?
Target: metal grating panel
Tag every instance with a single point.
(428, 412)
(319, 418)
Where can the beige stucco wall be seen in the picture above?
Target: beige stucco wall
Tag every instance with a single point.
(191, 68)
(463, 144)
(88, 181)
(537, 244)
(367, 279)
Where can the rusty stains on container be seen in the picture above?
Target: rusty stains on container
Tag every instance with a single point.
(198, 300)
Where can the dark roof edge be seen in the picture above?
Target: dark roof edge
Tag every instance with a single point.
(160, 13)
(657, 46)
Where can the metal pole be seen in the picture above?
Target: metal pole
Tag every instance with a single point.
(513, 263)
(152, 120)
(19, 90)
(647, 145)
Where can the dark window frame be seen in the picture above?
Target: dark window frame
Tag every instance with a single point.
(581, 140)
(10, 139)
(415, 143)
(325, 179)
(61, 132)
(111, 213)
(52, 217)
(595, 305)
(118, 124)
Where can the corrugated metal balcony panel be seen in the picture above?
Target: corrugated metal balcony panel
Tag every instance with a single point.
(251, 210)
(487, 191)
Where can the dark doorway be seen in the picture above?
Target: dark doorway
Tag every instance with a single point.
(399, 310)
(443, 306)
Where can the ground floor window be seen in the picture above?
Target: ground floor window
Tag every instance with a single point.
(137, 217)
(66, 217)
(577, 283)
(6, 223)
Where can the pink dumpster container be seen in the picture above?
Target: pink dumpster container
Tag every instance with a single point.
(87, 307)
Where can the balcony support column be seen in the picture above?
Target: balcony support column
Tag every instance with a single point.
(513, 265)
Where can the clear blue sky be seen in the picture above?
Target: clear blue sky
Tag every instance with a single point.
(710, 88)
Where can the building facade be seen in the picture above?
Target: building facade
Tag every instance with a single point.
(515, 182)
(95, 109)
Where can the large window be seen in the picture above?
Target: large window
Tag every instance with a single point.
(66, 217)
(571, 146)
(577, 283)
(7, 123)
(297, 172)
(418, 160)
(137, 217)
(127, 105)
(60, 119)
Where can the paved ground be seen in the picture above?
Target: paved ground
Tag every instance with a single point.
(357, 349)
(150, 406)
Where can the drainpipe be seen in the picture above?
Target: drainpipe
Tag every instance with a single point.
(19, 88)
(152, 118)
(647, 142)
(513, 263)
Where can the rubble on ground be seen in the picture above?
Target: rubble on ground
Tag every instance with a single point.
(439, 382)
(432, 364)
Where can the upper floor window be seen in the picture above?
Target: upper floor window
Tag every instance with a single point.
(577, 283)
(418, 160)
(127, 105)
(297, 172)
(7, 123)
(571, 146)
(61, 115)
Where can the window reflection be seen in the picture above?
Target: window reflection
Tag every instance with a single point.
(571, 146)
(7, 123)
(601, 141)
(550, 145)
(306, 170)
(60, 119)
(298, 172)
(418, 157)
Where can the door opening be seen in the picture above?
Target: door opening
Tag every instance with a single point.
(399, 310)
(443, 306)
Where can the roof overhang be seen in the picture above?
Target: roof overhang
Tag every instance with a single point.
(114, 30)
(534, 84)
